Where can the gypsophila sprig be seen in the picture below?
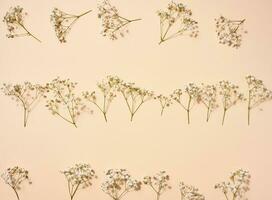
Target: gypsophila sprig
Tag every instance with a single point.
(134, 96)
(189, 192)
(208, 97)
(79, 177)
(63, 101)
(257, 94)
(159, 183)
(15, 177)
(15, 21)
(176, 21)
(193, 92)
(230, 96)
(237, 186)
(118, 183)
(114, 25)
(165, 102)
(230, 32)
(63, 23)
(27, 95)
(108, 88)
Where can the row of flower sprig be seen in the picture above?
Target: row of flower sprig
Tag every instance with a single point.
(175, 21)
(118, 183)
(63, 101)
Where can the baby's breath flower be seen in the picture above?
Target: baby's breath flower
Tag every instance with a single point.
(108, 88)
(193, 92)
(189, 192)
(257, 93)
(208, 97)
(79, 177)
(114, 25)
(230, 96)
(179, 18)
(230, 32)
(118, 183)
(27, 95)
(237, 187)
(159, 183)
(63, 101)
(15, 177)
(134, 96)
(14, 19)
(165, 101)
(63, 23)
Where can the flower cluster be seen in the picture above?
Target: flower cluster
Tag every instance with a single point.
(79, 176)
(134, 96)
(230, 96)
(114, 25)
(26, 95)
(108, 88)
(15, 177)
(63, 101)
(189, 192)
(14, 19)
(159, 183)
(179, 18)
(238, 185)
(230, 32)
(257, 93)
(118, 183)
(208, 97)
(165, 102)
(193, 92)
(63, 23)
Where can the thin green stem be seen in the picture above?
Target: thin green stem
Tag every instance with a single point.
(224, 116)
(15, 191)
(29, 33)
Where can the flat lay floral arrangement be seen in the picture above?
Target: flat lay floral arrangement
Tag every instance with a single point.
(119, 182)
(64, 101)
(174, 21)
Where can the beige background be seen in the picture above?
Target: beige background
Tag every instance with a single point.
(200, 154)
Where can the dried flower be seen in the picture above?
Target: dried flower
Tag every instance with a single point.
(257, 93)
(230, 96)
(164, 102)
(79, 177)
(158, 183)
(15, 177)
(208, 97)
(134, 96)
(192, 92)
(63, 101)
(114, 25)
(189, 192)
(14, 19)
(176, 21)
(118, 183)
(27, 95)
(230, 32)
(108, 88)
(237, 187)
(63, 22)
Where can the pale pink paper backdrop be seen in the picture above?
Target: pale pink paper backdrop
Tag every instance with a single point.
(200, 154)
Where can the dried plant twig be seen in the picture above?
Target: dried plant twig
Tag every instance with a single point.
(79, 177)
(114, 25)
(230, 32)
(27, 95)
(108, 88)
(176, 21)
(119, 183)
(165, 102)
(189, 192)
(15, 177)
(14, 19)
(158, 183)
(63, 22)
(237, 186)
